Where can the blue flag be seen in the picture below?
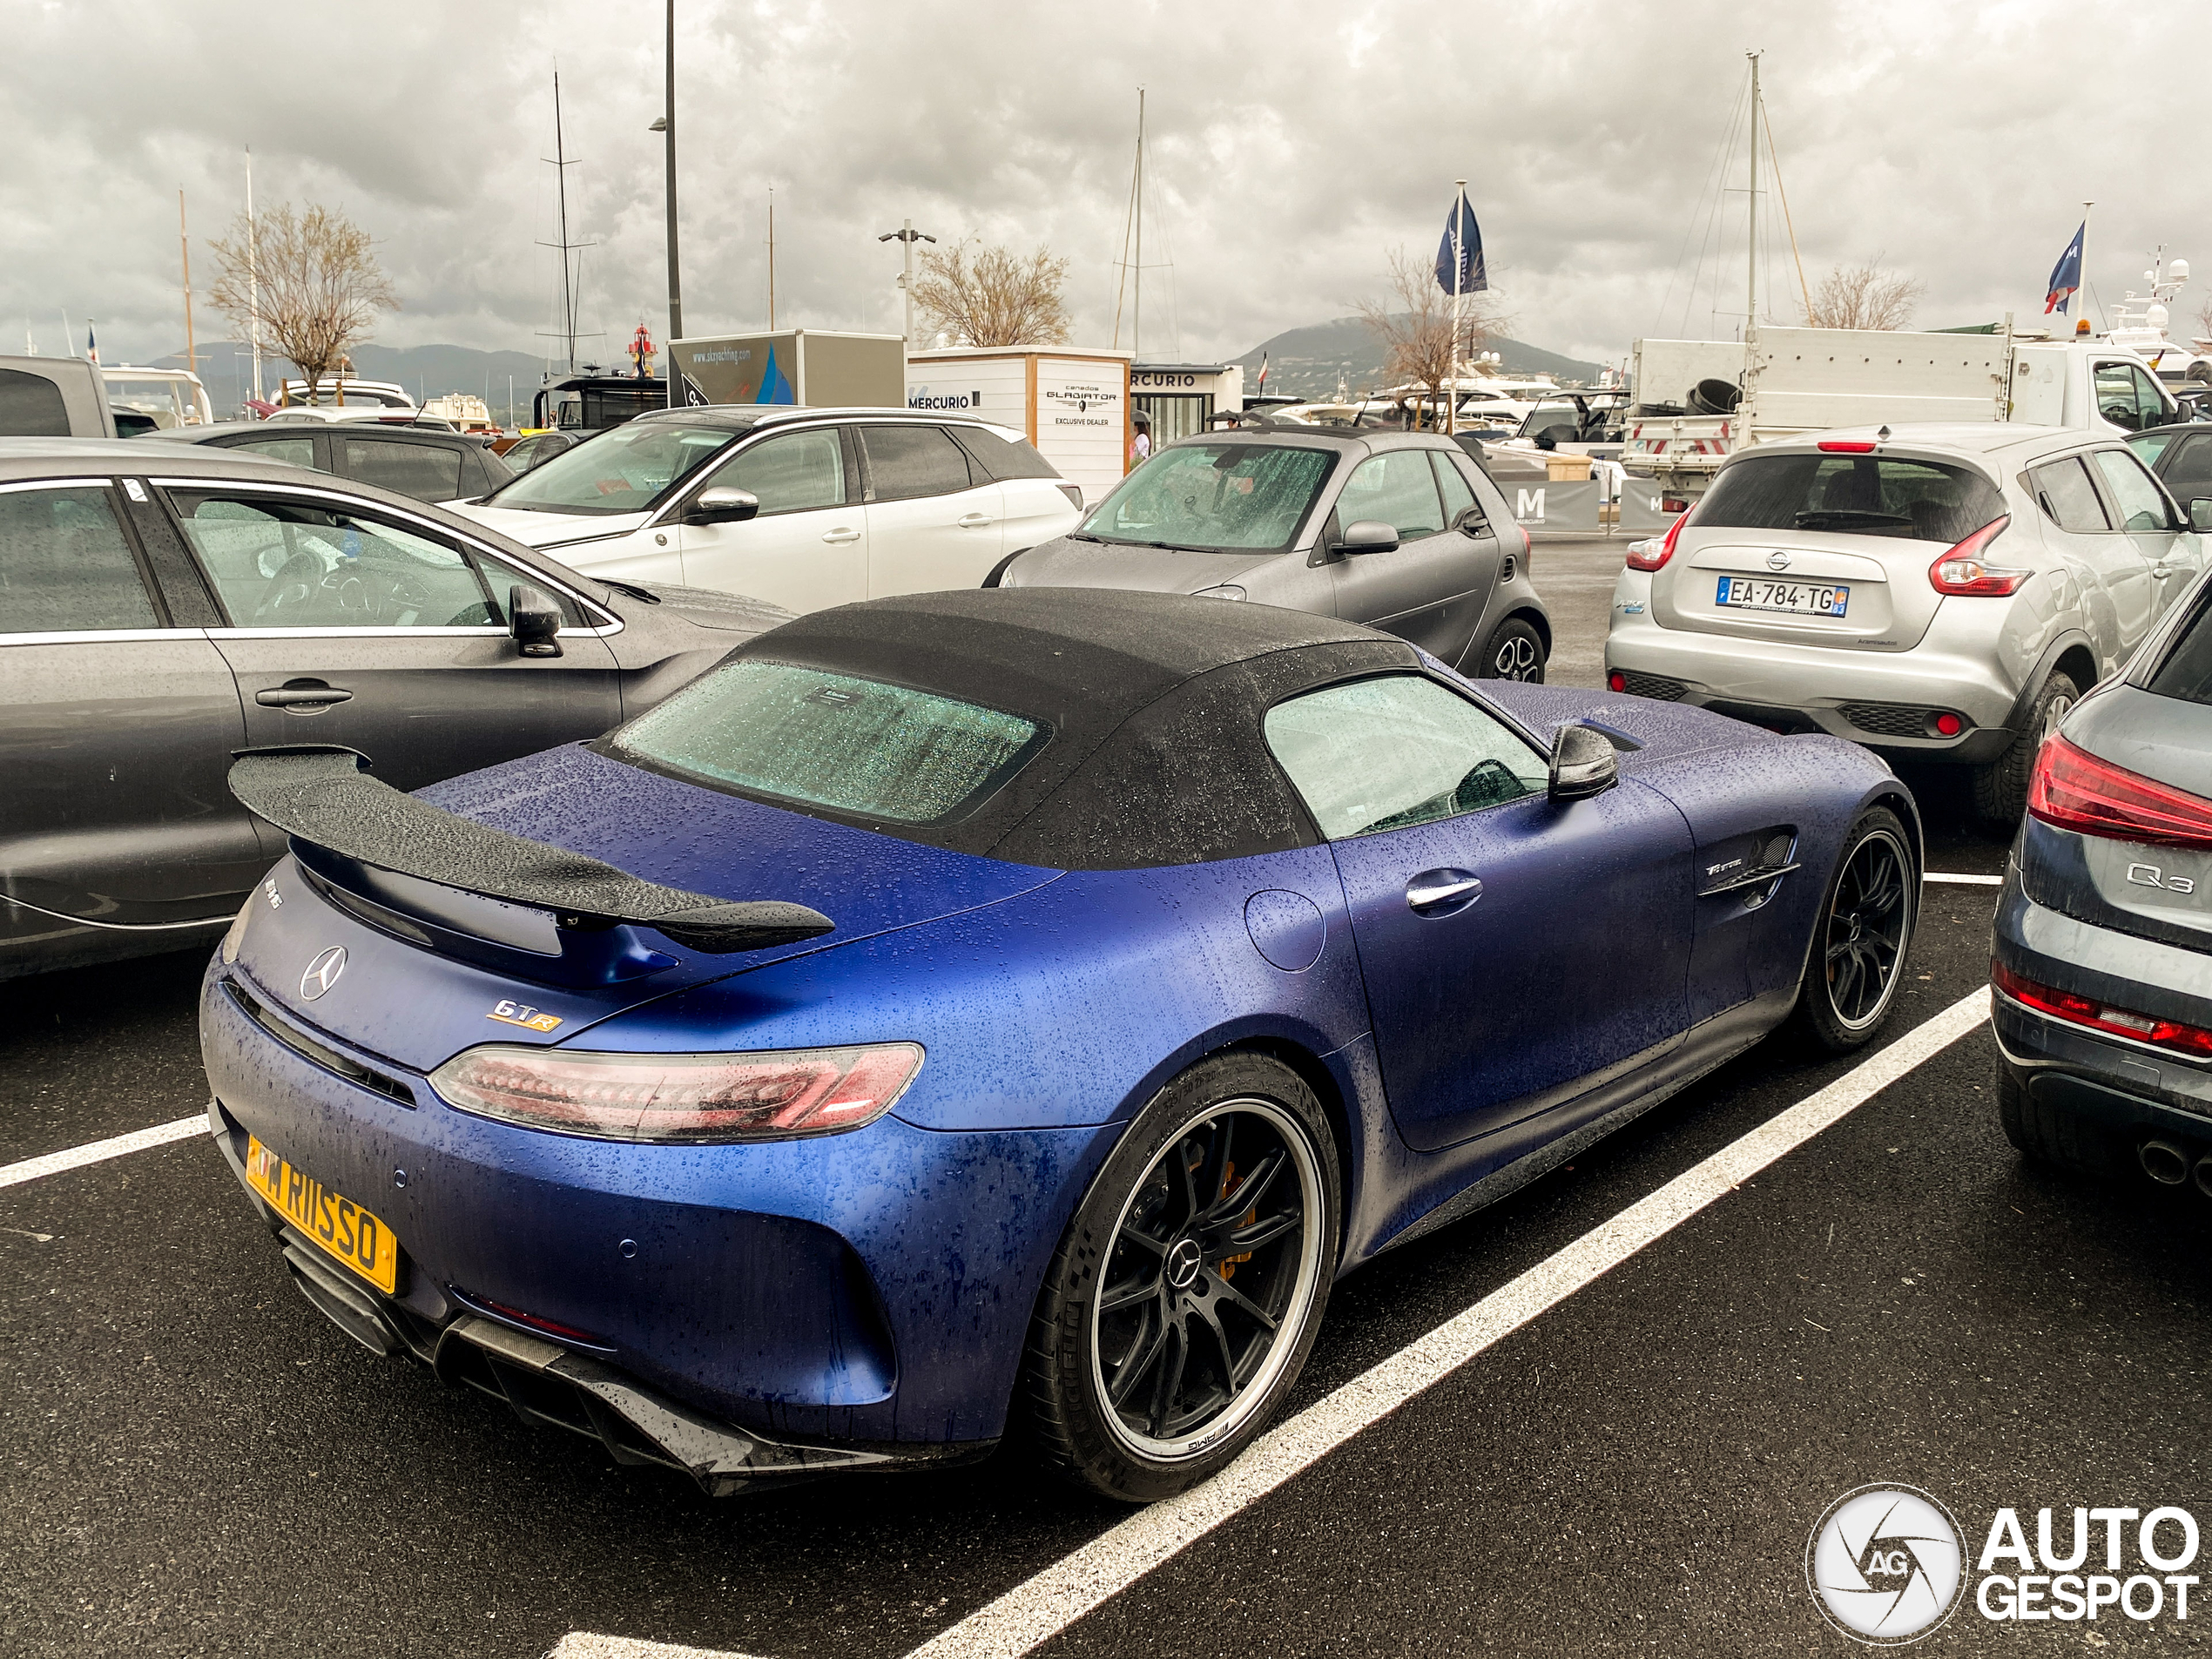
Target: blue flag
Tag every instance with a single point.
(2066, 277)
(1472, 279)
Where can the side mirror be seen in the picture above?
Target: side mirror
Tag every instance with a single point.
(1368, 536)
(1583, 763)
(723, 505)
(2201, 517)
(534, 619)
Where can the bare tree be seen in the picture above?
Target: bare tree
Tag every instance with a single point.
(309, 280)
(994, 296)
(1414, 324)
(1864, 296)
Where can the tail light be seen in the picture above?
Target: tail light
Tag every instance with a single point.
(2076, 1009)
(1961, 571)
(1616, 681)
(2074, 790)
(1650, 556)
(1847, 446)
(688, 1099)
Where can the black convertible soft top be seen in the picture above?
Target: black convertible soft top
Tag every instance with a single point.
(1154, 701)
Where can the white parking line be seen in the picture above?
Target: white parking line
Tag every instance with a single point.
(1963, 880)
(95, 1152)
(582, 1644)
(1034, 1612)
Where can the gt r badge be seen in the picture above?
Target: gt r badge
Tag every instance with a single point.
(322, 973)
(522, 1013)
(2148, 875)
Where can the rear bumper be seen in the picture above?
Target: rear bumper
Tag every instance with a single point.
(2130, 1087)
(1877, 698)
(858, 1298)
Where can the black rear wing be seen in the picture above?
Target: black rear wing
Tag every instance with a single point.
(322, 795)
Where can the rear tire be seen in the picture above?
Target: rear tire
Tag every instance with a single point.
(2052, 1135)
(1862, 936)
(1148, 1370)
(1514, 652)
(2001, 787)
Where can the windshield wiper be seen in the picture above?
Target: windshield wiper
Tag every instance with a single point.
(1849, 515)
(1085, 535)
(632, 590)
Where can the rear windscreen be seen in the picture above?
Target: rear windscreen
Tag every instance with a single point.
(834, 741)
(1919, 501)
(2187, 671)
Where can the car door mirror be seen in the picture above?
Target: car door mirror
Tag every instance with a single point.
(1583, 763)
(534, 619)
(723, 505)
(2201, 517)
(1368, 536)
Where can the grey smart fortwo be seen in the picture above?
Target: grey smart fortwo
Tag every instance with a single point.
(1401, 531)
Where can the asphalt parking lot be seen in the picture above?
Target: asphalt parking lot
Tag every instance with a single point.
(197, 1462)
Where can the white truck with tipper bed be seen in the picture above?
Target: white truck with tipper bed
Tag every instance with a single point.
(1699, 401)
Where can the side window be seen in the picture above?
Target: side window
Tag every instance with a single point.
(907, 461)
(2189, 474)
(1000, 458)
(1459, 496)
(1395, 750)
(2142, 503)
(282, 563)
(2067, 497)
(499, 576)
(31, 407)
(427, 472)
(1398, 489)
(2126, 397)
(66, 565)
(300, 452)
(793, 474)
(2150, 409)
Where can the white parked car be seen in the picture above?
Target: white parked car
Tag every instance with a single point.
(803, 507)
(1936, 592)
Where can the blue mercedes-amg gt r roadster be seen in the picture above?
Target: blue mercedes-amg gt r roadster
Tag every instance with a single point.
(1011, 1008)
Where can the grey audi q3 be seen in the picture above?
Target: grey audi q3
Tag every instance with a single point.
(1403, 531)
(2102, 970)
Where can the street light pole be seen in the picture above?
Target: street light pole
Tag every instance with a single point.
(907, 235)
(666, 125)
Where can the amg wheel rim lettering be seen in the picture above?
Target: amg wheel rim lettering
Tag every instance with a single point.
(1213, 1263)
(1867, 925)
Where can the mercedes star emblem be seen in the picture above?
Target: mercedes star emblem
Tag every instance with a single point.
(323, 972)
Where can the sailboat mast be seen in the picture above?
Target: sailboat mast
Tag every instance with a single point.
(252, 277)
(771, 269)
(1751, 263)
(183, 246)
(561, 174)
(1137, 323)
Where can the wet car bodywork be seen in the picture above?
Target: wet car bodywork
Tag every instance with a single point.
(1147, 891)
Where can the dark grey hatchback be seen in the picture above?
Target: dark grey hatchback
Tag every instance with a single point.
(1403, 531)
(165, 605)
(2102, 971)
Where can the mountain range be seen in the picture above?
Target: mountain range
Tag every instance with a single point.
(1315, 361)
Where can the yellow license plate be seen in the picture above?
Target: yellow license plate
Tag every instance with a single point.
(341, 1228)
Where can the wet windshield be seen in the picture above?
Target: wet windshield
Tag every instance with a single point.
(1857, 494)
(1213, 498)
(621, 471)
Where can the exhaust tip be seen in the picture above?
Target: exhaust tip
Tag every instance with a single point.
(2204, 1175)
(2164, 1162)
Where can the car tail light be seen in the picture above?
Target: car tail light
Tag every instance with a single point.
(2074, 790)
(534, 1321)
(1848, 446)
(1948, 725)
(1961, 571)
(683, 1098)
(2076, 1009)
(1616, 681)
(1075, 494)
(1650, 556)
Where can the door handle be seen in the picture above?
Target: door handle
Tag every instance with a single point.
(2159, 572)
(1442, 892)
(842, 535)
(302, 697)
(975, 521)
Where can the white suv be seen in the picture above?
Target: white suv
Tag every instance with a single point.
(1938, 593)
(802, 508)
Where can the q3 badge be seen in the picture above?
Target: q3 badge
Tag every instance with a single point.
(522, 1013)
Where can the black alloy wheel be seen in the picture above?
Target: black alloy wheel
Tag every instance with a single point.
(1514, 652)
(1186, 1292)
(1864, 931)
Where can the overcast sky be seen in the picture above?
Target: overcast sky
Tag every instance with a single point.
(1291, 146)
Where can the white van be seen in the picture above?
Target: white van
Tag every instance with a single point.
(803, 507)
